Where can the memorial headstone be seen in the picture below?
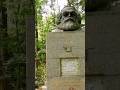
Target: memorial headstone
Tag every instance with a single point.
(103, 51)
(65, 53)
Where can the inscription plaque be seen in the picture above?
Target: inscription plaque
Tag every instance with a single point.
(70, 67)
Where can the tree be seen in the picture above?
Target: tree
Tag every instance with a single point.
(13, 45)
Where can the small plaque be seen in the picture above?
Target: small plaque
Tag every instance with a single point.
(70, 67)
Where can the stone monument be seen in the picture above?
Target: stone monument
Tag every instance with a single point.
(65, 53)
(103, 48)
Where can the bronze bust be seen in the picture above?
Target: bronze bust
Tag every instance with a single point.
(68, 20)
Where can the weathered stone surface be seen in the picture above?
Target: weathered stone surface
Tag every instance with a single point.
(102, 42)
(103, 50)
(102, 83)
(63, 47)
(66, 84)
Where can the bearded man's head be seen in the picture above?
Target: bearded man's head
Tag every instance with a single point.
(69, 19)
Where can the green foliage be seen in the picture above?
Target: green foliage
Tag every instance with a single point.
(41, 74)
(43, 26)
(15, 71)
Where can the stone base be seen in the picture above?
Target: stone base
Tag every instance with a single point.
(65, 60)
(66, 84)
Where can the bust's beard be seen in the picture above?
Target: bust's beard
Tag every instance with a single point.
(69, 26)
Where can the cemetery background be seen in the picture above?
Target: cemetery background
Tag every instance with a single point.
(12, 40)
(13, 17)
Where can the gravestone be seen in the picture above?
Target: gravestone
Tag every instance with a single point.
(66, 60)
(103, 51)
(66, 53)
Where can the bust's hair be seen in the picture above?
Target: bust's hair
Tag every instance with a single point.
(70, 7)
(59, 16)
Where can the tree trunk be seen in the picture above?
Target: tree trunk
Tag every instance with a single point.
(3, 36)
